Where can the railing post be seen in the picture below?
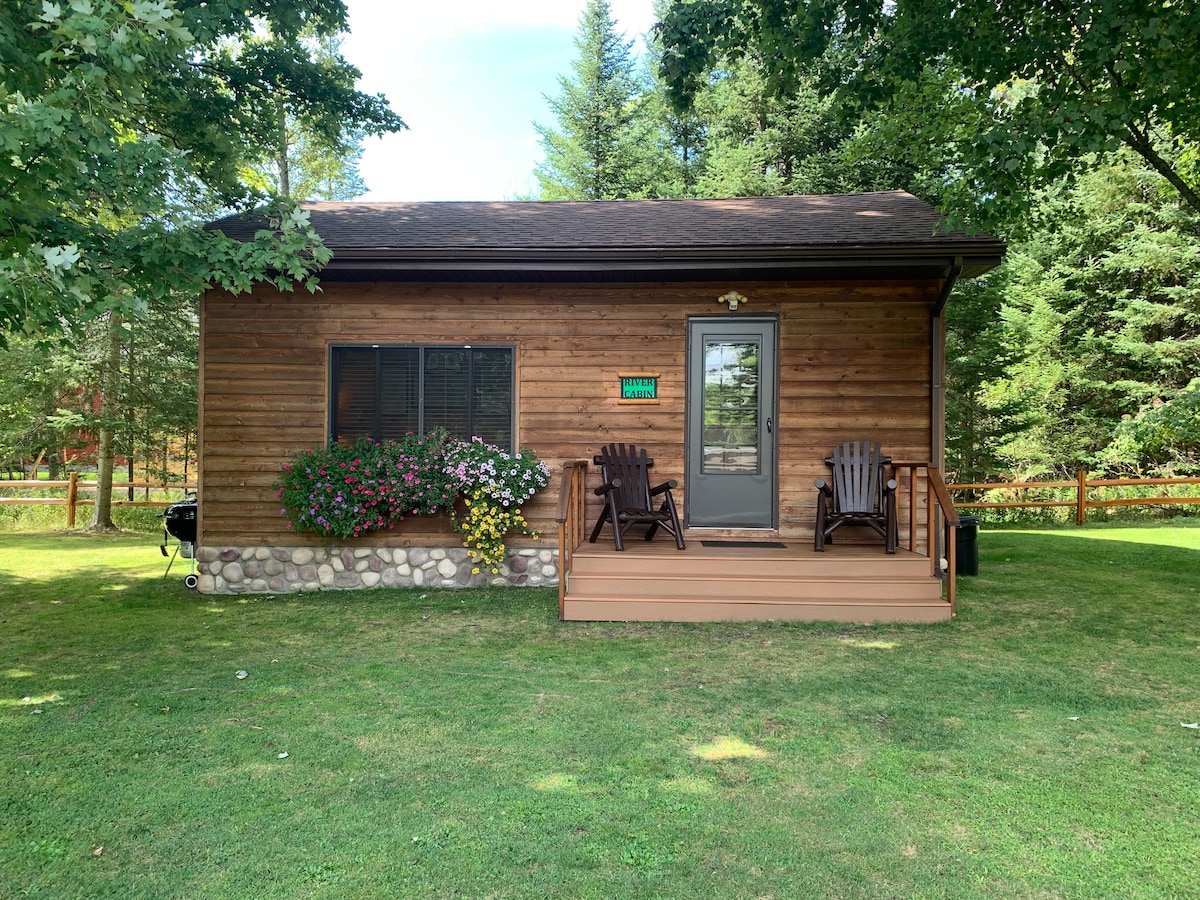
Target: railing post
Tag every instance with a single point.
(564, 563)
(952, 571)
(72, 497)
(570, 519)
(1081, 497)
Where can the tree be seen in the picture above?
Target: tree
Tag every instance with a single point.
(1162, 438)
(982, 347)
(124, 126)
(38, 381)
(1054, 82)
(305, 164)
(316, 171)
(606, 147)
(1106, 291)
(761, 144)
(119, 387)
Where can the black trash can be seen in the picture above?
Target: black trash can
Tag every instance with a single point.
(966, 541)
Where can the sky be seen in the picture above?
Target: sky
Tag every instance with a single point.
(469, 77)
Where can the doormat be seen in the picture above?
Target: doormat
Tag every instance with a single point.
(772, 545)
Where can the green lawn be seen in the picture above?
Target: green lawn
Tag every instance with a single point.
(467, 744)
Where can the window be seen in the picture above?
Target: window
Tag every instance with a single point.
(386, 392)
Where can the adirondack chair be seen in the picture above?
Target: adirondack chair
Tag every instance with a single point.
(859, 495)
(628, 497)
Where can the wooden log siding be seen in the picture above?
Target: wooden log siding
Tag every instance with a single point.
(854, 362)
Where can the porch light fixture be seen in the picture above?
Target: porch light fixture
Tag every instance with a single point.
(733, 298)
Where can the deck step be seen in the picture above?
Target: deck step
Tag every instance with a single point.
(601, 609)
(690, 565)
(790, 588)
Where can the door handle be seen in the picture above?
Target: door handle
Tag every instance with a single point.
(770, 424)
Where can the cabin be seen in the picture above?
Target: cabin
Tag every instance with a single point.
(796, 323)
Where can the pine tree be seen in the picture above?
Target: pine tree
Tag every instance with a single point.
(606, 146)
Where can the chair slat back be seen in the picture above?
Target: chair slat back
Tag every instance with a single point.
(857, 468)
(631, 465)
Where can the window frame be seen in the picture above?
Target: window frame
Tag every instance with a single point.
(334, 364)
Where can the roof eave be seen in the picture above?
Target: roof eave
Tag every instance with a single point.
(976, 259)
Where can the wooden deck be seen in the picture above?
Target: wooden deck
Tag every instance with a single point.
(652, 581)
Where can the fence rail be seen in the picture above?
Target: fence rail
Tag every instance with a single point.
(74, 484)
(1082, 502)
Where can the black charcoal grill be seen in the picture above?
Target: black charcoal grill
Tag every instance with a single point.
(179, 522)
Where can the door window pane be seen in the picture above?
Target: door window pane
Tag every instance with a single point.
(730, 406)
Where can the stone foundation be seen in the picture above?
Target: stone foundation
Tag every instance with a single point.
(281, 570)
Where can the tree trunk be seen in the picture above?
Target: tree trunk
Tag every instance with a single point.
(110, 373)
(285, 174)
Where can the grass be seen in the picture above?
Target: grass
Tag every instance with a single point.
(469, 744)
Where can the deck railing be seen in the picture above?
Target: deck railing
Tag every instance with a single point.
(571, 519)
(940, 513)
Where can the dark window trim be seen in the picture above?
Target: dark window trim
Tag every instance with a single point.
(376, 427)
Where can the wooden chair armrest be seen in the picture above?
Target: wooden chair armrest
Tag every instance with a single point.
(607, 486)
(891, 484)
(821, 486)
(664, 487)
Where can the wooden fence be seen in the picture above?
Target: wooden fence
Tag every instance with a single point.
(1081, 500)
(74, 484)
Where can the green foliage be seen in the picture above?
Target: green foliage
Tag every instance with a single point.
(49, 394)
(311, 163)
(39, 379)
(981, 349)
(1162, 438)
(123, 127)
(1106, 292)
(1052, 83)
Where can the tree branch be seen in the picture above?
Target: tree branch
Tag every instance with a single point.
(1141, 144)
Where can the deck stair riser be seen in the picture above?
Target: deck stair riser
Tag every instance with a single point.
(659, 583)
(653, 611)
(799, 590)
(813, 566)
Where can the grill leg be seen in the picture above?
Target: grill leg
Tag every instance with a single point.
(171, 561)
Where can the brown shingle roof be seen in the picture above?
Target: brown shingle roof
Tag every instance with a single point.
(892, 229)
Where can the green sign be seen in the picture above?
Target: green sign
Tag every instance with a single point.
(639, 387)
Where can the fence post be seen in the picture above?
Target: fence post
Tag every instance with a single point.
(1081, 497)
(72, 497)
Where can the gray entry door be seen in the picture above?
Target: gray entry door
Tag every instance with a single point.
(731, 389)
